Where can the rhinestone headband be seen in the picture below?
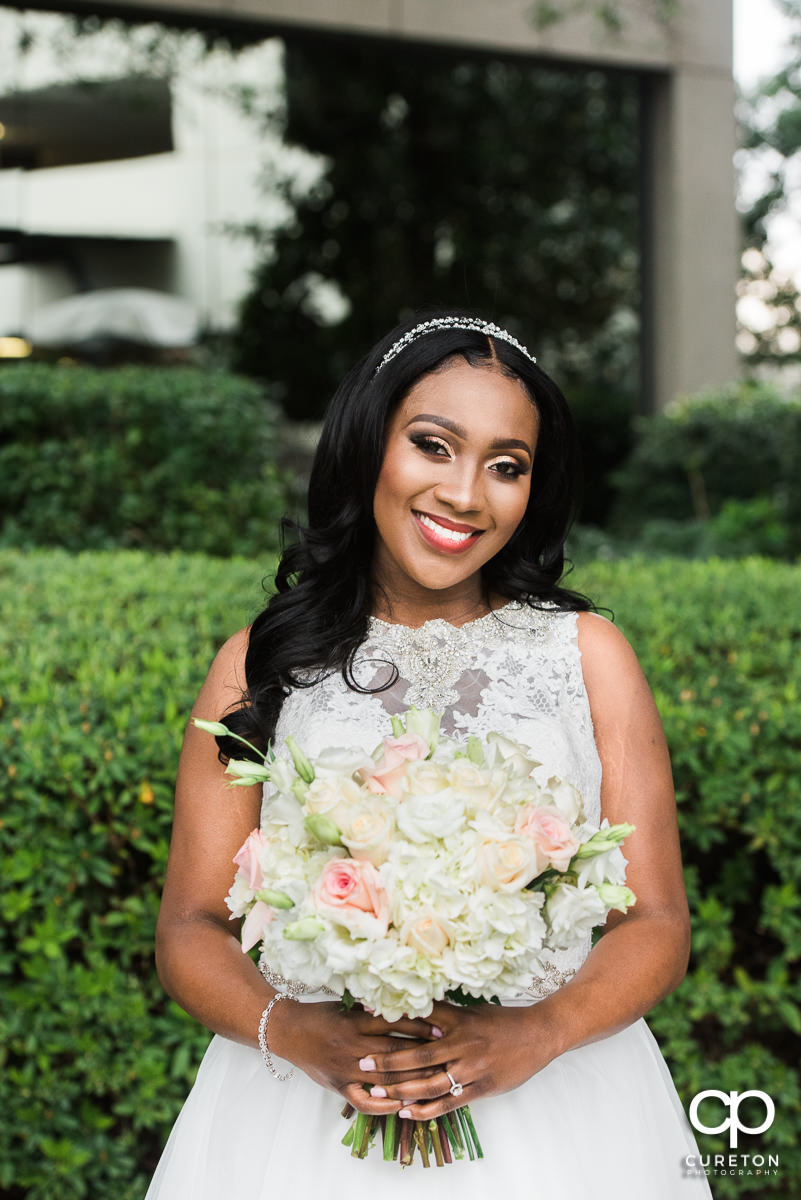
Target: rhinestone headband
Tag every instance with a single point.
(471, 323)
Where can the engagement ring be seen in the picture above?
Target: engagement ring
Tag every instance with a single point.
(456, 1089)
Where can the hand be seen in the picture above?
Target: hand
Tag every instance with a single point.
(328, 1044)
(488, 1049)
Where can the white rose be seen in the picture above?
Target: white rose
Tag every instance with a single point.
(481, 789)
(424, 778)
(430, 815)
(333, 797)
(572, 914)
(339, 760)
(427, 934)
(508, 864)
(367, 831)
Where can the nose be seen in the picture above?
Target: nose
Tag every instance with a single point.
(462, 488)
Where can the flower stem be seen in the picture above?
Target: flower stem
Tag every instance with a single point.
(420, 1139)
(472, 1128)
(433, 1129)
(390, 1126)
(466, 1133)
(451, 1125)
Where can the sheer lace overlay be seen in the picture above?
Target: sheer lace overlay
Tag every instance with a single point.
(516, 671)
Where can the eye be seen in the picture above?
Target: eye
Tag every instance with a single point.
(508, 469)
(431, 445)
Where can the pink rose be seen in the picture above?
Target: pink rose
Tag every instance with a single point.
(550, 832)
(349, 893)
(247, 858)
(386, 775)
(254, 925)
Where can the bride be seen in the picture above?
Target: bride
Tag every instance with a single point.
(429, 574)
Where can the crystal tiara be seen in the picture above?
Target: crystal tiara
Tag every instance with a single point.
(472, 323)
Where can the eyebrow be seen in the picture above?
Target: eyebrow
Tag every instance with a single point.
(498, 444)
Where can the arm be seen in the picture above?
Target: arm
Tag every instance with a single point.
(198, 956)
(642, 955)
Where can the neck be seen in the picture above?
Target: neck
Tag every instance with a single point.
(413, 606)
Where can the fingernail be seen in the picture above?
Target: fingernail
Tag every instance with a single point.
(367, 1064)
(379, 1092)
(436, 1031)
(405, 1113)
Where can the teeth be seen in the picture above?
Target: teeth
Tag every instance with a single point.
(453, 535)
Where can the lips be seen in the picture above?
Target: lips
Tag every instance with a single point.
(446, 535)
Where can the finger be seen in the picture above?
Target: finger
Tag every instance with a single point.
(362, 1101)
(411, 1091)
(413, 1058)
(414, 1027)
(390, 1078)
(428, 1109)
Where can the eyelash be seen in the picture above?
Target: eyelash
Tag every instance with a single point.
(429, 445)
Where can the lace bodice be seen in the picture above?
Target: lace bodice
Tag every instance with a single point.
(516, 671)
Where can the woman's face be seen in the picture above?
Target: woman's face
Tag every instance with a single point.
(455, 479)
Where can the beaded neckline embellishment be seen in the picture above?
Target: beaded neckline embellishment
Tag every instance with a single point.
(434, 656)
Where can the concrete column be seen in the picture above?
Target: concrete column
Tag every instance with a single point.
(691, 239)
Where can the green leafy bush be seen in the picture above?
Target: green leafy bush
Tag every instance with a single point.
(143, 457)
(104, 655)
(738, 444)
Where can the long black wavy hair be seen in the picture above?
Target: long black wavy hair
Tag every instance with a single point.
(317, 618)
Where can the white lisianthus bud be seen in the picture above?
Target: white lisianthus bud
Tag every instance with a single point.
(323, 828)
(615, 895)
(216, 728)
(275, 899)
(302, 764)
(305, 930)
(253, 772)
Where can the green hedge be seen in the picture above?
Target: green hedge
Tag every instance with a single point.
(143, 457)
(104, 655)
(729, 461)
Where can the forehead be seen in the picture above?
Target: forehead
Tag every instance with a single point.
(483, 399)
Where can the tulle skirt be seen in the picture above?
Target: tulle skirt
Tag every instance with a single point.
(602, 1121)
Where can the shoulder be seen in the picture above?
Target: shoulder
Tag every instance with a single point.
(612, 673)
(227, 671)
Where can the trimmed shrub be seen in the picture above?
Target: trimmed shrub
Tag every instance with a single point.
(737, 444)
(104, 655)
(153, 458)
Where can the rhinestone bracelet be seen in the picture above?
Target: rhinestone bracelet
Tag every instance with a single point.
(265, 1049)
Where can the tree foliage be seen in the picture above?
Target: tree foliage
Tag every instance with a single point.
(771, 136)
(491, 183)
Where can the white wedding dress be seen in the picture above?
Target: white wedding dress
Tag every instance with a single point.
(603, 1120)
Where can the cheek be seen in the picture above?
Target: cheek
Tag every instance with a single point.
(511, 504)
(398, 480)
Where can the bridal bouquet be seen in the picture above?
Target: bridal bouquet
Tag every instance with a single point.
(435, 869)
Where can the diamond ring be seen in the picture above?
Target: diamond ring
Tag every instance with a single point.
(456, 1089)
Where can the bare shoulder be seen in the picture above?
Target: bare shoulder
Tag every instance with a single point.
(226, 680)
(610, 666)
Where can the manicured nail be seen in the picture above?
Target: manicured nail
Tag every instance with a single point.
(378, 1092)
(436, 1031)
(367, 1064)
(405, 1113)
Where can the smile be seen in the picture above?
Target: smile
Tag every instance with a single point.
(445, 537)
